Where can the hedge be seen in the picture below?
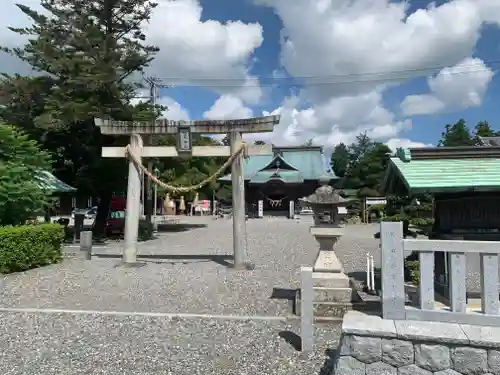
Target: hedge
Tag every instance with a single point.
(30, 246)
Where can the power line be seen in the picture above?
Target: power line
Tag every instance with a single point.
(347, 75)
(302, 81)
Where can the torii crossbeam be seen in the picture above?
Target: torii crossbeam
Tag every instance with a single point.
(183, 131)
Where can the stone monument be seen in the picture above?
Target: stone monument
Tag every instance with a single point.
(332, 287)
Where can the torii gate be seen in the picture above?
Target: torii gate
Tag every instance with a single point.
(183, 131)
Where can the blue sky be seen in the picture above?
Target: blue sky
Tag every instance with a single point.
(239, 43)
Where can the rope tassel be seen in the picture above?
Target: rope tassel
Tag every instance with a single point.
(185, 189)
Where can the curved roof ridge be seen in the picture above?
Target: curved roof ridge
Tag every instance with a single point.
(278, 156)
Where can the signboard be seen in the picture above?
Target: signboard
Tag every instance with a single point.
(260, 208)
(184, 142)
(374, 201)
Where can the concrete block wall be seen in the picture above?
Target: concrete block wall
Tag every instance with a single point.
(371, 345)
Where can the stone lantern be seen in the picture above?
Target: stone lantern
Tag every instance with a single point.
(331, 284)
(328, 210)
(328, 207)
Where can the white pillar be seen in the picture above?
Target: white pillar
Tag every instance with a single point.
(260, 209)
(291, 209)
(238, 186)
(133, 202)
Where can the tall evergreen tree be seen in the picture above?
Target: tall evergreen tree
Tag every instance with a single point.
(88, 51)
(340, 159)
(457, 134)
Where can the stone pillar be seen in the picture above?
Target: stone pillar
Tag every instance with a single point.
(238, 186)
(133, 203)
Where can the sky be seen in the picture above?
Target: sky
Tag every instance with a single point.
(332, 69)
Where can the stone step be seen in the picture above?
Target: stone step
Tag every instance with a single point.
(337, 309)
(330, 280)
(333, 294)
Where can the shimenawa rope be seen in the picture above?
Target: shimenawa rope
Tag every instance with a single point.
(185, 189)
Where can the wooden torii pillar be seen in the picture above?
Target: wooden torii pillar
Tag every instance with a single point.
(183, 131)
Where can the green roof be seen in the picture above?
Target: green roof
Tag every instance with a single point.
(307, 160)
(444, 169)
(47, 181)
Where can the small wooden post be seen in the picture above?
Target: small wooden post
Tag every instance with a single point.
(86, 243)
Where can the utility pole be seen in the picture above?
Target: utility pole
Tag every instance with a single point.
(154, 93)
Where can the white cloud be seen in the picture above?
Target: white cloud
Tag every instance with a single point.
(206, 50)
(189, 47)
(395, 143)
(228, 107)
(459, 87)
(174, 110)
(340, 42)
(336, 41)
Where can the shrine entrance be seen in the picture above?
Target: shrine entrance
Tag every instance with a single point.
(136, 151)
(276, 196)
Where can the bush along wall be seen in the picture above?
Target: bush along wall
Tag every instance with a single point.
(30, 246)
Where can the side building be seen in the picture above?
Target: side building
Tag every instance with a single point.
(287, 175)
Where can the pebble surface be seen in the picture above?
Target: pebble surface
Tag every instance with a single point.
(55, 344)
(188, 274)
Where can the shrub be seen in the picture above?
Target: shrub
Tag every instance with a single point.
(30, 246)
(421, 222)
(414, 269)
(145, 230)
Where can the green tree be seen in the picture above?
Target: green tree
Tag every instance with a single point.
(359, 147)
(86, 51)
(259, 143)
(190, 171)
(368, 173)
(483, 129)
(20, 162)
(457, 134)
(340, 159)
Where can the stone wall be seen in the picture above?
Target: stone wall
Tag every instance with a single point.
(371, 345)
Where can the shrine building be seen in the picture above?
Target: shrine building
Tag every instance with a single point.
(465, 185)
(287, 175)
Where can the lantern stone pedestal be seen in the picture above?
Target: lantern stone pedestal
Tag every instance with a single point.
(331, 284)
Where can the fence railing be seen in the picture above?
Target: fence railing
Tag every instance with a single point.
(393, 247)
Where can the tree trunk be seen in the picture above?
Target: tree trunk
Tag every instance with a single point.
(102, 214)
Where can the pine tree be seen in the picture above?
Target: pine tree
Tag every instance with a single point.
(89, 51)
(457, 134)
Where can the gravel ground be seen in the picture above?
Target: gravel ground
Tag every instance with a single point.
(189, 277)
(55, 344)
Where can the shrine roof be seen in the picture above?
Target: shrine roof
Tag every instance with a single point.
(308, 161)
(50, 183)
(442, 170)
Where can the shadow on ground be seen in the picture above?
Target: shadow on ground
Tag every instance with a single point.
(181, 258)
(329, 364)
(284, 294)
(292, 338)
(182, 227)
